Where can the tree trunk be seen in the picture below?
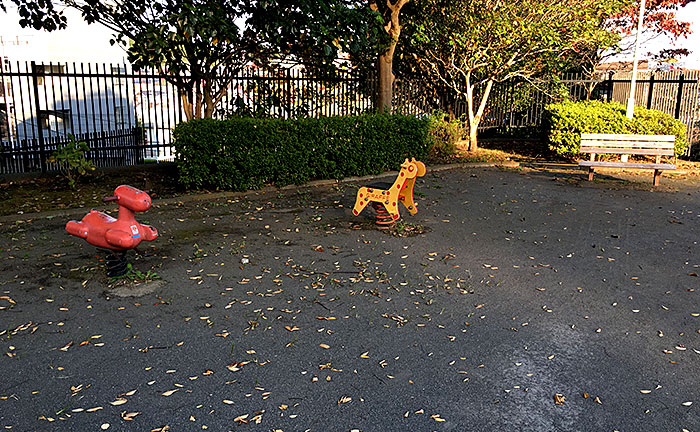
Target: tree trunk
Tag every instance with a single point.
(386, 80)
(473, 145)
(198, 100)
(187, 104)
(209, 104)
(386, 59)
(475, 117)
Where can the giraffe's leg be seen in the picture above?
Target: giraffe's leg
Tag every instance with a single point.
(407, 201)
(361, 201)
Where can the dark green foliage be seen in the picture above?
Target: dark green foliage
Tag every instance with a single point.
(247, 153)
(444, 135)
(566, 121)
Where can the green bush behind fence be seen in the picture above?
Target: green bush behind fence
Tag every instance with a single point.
(247, 153)
(564, 122)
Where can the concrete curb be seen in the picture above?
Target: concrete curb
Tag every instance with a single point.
(78, 212)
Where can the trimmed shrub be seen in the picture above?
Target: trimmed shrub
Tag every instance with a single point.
(566, 121)
(247, 153)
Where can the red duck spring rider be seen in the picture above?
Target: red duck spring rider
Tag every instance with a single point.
(118, 235)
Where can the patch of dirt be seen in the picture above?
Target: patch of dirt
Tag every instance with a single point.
(29, 194)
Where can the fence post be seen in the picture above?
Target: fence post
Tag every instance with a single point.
(40, 132)
(679, 97)
(651, 91)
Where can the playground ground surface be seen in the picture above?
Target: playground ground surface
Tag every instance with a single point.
(520, 299)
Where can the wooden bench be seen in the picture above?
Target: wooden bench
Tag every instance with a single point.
(623, 144)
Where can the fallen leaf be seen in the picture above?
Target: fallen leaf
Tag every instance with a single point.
(324, 346)
(687, 403)
(119, 401)
(344, 399)
(292, 328)
(129, 416)
(236, 366)
(559, 399)
(66, 346)
(8, 299)
(644, 391)
(169, 392)
(241, 418)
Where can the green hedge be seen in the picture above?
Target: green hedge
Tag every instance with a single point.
(566, 121)
(247, 153)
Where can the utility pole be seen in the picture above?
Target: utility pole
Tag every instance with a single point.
(633, 84)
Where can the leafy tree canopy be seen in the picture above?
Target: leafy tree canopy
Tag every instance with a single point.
(39, 14)
(464, 46)
(317, 32)
(201, 44)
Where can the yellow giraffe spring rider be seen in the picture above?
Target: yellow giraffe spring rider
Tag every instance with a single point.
(385, 197)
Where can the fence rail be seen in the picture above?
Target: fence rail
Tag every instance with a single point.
(127, 116)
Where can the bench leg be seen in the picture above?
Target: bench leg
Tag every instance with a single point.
(591, 171)
(657, 176)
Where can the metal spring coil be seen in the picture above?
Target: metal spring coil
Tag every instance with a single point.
(382, 215)
(116, 263)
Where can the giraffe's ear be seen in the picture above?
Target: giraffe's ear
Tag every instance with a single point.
(421, 167)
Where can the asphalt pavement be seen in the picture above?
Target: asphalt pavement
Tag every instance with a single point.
(515, 300)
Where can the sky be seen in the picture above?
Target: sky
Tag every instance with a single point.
(83, 43)
(80, 42)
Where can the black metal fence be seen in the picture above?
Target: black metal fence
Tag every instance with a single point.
(127, 116)
(516, 104)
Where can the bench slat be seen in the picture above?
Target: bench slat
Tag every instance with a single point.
(608, 150)
(628, 144)
(627, 165)
(628, 137)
